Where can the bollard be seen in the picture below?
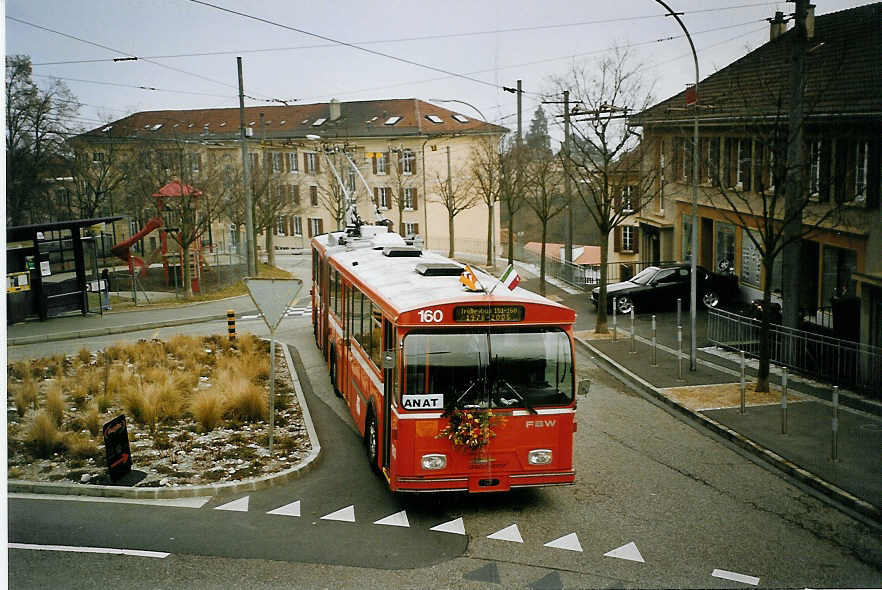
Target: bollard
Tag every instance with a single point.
(834, 451)
(742, 381)
(679, 308)
(654, 362)
(231, 324)
(680, 353)
(633, 344)
(615, 328)
(784, 401)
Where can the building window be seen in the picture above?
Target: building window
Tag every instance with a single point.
(380, 163)
(686, 238)
(298, 226)
(408, 161)
(751, 262)
(277, 161)
(815, 169)
(661, 181)
(350, 180)
(411, 229)
(745, 160)
(309, 162)
(282, 226)
(627, 205)
(98, 158)
(253, 160)
(313, 196)
(725, 246)
(628, 238)
(315, 226)
(410, 199)
(860, 172)
(195, 162)
(383, 197)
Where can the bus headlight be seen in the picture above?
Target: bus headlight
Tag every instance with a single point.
(433, 462)
(539, 457)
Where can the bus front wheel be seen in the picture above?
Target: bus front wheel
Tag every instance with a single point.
(372, 441)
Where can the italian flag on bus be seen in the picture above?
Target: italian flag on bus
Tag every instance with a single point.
(510, 278)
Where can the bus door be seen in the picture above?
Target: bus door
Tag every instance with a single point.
(389, 382)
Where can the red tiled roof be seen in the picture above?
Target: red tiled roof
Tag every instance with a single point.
(357, 119)
(843, 76)
(176, 189)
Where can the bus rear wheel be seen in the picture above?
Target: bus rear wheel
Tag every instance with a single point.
(337, 391)
(372, 441)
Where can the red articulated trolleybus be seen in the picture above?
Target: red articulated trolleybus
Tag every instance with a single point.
(453, 390)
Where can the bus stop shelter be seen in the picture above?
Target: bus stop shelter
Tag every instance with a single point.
(50, 267)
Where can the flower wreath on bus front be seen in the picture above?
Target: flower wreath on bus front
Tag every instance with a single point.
(470, 429)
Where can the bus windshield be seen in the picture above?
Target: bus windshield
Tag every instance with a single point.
(505, 368)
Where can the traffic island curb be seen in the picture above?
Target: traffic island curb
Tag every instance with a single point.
(819, 484)
(163, 493)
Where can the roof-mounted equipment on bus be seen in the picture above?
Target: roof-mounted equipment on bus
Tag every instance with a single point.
(401, 251)
(438, 269)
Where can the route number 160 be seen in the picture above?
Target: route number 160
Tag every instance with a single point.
(428, 316)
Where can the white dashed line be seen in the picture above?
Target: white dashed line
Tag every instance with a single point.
(735, 577)
(73, 549)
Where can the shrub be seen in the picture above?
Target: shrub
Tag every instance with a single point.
(55, 402)
(139, 405)
(92, 420)
(119, 381)
(84, 356)
(26, 395)
(207, 408)
(255, 366)
(79, 446)
(245, 401)
(43, 435)
(184, 383)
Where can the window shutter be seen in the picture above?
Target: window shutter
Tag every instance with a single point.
(376, 194)
(309, 229)
(617, 201)
(401, 162)
(305, 163)
(635, 233)
(374, 161)
(824, 177)
(617, 239)
(413, 166)
(873, 173)
(318, 163)
(415, 199)
(416, 228)
(290, 225)
(296, 194)
(285, 167)
(321, 226)
(732, 160)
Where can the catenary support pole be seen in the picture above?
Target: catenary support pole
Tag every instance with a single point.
(246, 181)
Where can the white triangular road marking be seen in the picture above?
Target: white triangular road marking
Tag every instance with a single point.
(629, 552)
(736, 577)
(292, 509)
(509, 533)
(397, 519)
(240, 505)
(344, 514)
(456, 526)
(569, 542)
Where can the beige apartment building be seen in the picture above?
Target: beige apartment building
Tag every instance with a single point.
(390, 156)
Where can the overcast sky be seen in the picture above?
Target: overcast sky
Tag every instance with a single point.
(493, 43)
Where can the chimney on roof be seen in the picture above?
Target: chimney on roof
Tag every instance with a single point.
(778, 26)
(810, 22)
(334, 109)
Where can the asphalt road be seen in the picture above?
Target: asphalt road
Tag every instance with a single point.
(689, 504)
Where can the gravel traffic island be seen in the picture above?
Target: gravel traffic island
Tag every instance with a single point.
(196, 411)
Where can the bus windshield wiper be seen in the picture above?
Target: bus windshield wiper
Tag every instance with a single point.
(518, 395)
(455, 402)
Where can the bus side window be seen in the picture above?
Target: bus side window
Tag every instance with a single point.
(376, 335)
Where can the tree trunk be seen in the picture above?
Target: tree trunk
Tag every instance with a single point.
(185, 270)
(450, 234)
(256, 259)
(270, 250)
(510, 234)
(762, 377)
(490, 248)
(542, 258)
(600, 325)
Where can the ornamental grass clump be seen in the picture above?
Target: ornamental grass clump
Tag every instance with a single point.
(207, 408)
(79, 446)
(245, 401)
(54, 404)
(84, 356)
(26, 395)
(43, 436)
(93, 420)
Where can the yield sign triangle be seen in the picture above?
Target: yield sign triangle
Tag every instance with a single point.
(344, 514)
(292, 509)
(509, 533)
(569, 542)
(272, 297)
(240, 505)
(629, 552)
(397, 519)
(456, 526)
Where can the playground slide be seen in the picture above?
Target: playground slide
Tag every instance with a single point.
(121, 250)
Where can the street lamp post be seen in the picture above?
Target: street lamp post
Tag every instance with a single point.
(694, 237)
(491, 211)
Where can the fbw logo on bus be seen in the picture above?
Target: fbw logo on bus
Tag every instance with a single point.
(540, 423)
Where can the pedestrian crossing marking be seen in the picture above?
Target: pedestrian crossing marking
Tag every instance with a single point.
(292, 509)
(291, 312)
(343, 515)
(240, 505)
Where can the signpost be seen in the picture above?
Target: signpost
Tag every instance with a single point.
(116, 445)
(272, 298)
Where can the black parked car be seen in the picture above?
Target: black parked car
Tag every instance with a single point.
(658, 288)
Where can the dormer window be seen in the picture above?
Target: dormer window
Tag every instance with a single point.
(435, 119)
(106, 129)
(156, 127)
(190, 125)
(282, 122)
(304, 121)
(392, 120)
(222, 124)
(461, 118)
(319, 121)
(251, 124)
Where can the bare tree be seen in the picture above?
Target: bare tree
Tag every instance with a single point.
(543, 195)
(456, 195)
(403, 180)
(36, 127)
(606, 155)
(487, 175)
(98, 169)
(511, 182)
(332, 187)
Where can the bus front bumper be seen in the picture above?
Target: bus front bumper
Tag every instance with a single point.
(486, 482)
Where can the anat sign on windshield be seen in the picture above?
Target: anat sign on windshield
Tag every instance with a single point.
(432, 401)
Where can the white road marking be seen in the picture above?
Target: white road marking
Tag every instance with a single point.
(569, 542)
(735, 577)
(344, 514)
(629, 552)
(240, 505)
(194, 502)
(509, 533)
(456, 526)
(397, 519)
(110, 550)
(292, 509)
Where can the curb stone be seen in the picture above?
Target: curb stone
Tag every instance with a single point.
(155, 493)
(828, 489)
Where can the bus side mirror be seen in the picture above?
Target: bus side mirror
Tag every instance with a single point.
(584, 386)
(389, 359)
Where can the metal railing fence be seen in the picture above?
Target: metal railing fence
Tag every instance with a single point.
(842, 362)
